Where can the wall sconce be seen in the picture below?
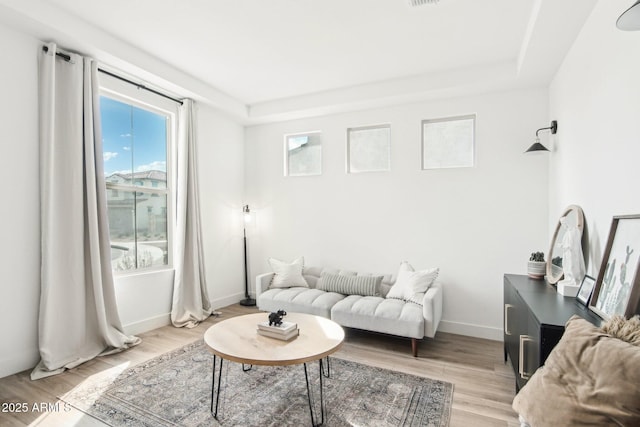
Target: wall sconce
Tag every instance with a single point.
(246, 220)
(536, 146)
(630, 18)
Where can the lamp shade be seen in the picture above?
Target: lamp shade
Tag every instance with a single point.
(630, 19)
(536, 146)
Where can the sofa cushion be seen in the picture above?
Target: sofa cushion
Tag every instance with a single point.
(287, 275)
(350, 285)
(312, 276)
(410, 282)
(299, 300)
(378, 314)
(590, 378)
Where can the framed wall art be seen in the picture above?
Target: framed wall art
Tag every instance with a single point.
(586, 287)
(617, 288)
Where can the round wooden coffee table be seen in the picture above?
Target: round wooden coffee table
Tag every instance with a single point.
(236, 340)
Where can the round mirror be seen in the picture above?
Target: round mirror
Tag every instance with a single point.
(571, 217)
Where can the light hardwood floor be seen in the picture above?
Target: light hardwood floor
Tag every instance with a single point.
(483, 391)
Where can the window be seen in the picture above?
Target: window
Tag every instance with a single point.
(303, 154)
(448, 142)
(137, 137)
(369, 149)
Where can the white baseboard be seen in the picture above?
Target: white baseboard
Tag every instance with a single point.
(146, 325)
(28, 359)
(486, 332)
(19, 362)
(228, 300)
(165, 319)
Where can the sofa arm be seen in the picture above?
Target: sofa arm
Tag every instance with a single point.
(432, 309)
(262, 282)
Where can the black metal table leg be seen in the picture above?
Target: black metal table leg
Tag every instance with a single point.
(213, 386)
(328, 373)
(215, 390)
(322, 410)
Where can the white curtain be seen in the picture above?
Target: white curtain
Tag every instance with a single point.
(78, 316)
(190, 298)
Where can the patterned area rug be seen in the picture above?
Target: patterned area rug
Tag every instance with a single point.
(174, 389)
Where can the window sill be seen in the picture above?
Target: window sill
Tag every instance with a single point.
(145, 272)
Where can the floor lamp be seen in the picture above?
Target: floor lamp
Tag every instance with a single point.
(246, 218)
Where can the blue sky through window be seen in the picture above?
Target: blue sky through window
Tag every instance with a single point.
(133, 139)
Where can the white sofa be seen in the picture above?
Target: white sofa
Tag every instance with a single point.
(414, 320)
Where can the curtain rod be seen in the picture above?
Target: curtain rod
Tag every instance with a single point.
(138, 85)
(60, 54)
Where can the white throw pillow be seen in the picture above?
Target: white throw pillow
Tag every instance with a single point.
(287, 275)
(410, 282)
(397, 291)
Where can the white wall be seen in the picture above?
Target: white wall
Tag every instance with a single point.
(595, 96)
(475, 224)
(221, 175)
(19, 210)
(144, 300)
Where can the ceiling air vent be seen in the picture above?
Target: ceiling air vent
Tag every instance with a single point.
(415, 3)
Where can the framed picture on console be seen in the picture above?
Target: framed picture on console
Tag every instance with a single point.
(586, 288)
(617, 287)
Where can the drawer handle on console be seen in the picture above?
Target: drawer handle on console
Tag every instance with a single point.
(523, 374)
(506, 318)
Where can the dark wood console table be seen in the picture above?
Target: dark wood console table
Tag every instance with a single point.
(534, 319)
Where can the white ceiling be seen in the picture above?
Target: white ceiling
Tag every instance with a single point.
(261, 50)
(272, 57)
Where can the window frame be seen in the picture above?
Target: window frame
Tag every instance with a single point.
(471, 116)
(287, 171)
(126, 93)
(348, 147)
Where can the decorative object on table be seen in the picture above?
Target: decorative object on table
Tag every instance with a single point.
(617, 288)
(276, 318)
(536, 266)
(171, 390)
(283, 330)
(536, 146)
(571, 217)
(246, 220)
(586, 288)
(284, 336)
(572, 260)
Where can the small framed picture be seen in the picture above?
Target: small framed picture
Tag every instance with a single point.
(586, 287)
